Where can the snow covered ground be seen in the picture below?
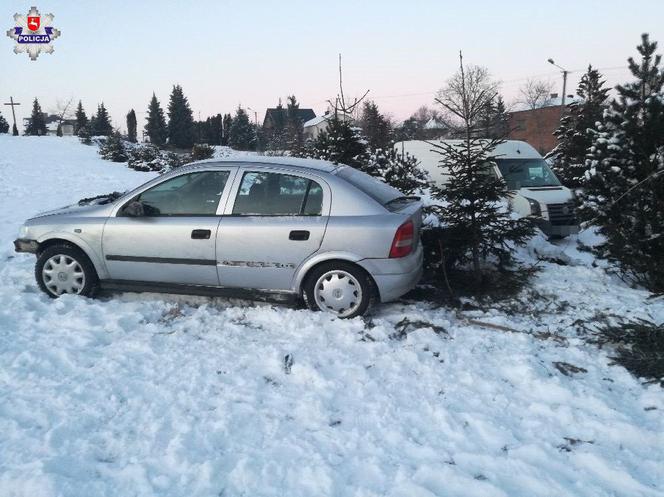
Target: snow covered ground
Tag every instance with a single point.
(154, 395)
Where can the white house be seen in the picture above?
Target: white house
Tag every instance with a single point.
(313, 127)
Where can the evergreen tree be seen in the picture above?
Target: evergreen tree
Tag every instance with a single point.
(375, 127)
(81, 118)
(4, 125)
(58, 131)
(131, 126)
(242, 135)
(14, 130)
(84, 135)
(294, 126)
(494, 119)
(473, 203)
(155, 127)
(113, 148)
(226, 128)
(275, 134)
(101, 123)
(624, 191)
(37, 125)
(401, 171)
(202, 151)
(180, 120)
(342, 143)
(576, 131)
(214, 130)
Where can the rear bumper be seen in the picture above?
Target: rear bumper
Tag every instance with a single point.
(25, 245)
(395, 277)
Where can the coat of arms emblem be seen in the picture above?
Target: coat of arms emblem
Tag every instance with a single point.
(33, 33)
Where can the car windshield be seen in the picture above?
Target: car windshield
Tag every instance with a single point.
(526, 173)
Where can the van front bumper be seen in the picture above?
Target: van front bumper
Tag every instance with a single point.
(557, 230)
(395, 277)
(25, 245)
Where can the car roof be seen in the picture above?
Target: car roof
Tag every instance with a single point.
(313, 164)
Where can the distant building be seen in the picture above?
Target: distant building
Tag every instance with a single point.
(536, 126)
(52, 122)
(274, 116)
(317, 125)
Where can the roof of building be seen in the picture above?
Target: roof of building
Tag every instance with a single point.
(302, 114)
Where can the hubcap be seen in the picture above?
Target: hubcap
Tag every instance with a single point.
(338, 292)
(63, 274)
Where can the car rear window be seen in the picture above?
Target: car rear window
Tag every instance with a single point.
(376, 189)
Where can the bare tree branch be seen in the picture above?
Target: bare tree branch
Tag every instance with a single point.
(536, 93)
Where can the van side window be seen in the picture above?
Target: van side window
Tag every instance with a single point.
(275, 194)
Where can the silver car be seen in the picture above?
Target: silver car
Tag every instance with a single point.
(250, 227)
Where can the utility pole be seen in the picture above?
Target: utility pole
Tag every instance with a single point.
(565, 72)
(13, 104)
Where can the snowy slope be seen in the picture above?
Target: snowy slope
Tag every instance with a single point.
(154, 395)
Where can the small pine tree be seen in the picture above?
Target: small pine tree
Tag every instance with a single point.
(37, 124)
(131, 126)
(101, 123)
(214, 130)
(14, 130)
(201, 151)
(58, 131)
(624, 191)
(402, 171)
(342, 143)
(473, 203)
(226, 129)
(84, 135)
(155, 127)
(294, 126)
(375, 127)
(576, 131)
(180, 120)
(275, 134)
(4, 125)
(113, 148)
(81, 118)
(242, 135)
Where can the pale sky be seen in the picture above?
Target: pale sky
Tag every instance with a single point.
(226, 53)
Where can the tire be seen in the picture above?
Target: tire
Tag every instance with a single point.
(71, 271)
(340, 288)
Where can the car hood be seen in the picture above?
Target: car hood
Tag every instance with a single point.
(76, 210)
(547, 195)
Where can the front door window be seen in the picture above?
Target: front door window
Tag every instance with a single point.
(195, 194)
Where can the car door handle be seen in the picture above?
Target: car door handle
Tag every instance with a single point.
(201, 234)
(298, 235)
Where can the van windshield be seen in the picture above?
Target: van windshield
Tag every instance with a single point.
(526, 173)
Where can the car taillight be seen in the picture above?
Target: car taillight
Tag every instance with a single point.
(404, 238)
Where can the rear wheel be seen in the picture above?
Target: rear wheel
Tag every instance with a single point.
(340, 288)
(64, 269)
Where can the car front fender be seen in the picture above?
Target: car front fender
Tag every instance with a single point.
(94, 257)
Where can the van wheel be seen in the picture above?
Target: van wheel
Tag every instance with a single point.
(64, 269)
(340, 288)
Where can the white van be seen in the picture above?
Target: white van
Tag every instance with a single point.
(536, 190)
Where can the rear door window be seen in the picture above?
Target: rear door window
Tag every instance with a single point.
(276, 194)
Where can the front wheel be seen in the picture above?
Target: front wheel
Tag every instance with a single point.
(64, 269)
(340, 288)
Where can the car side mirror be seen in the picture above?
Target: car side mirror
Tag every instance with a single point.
(134, 208)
